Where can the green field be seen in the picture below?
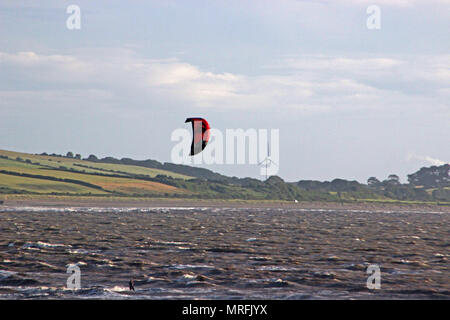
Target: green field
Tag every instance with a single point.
(86, 166)
(37, 174)
(40, 186)
(121, 168)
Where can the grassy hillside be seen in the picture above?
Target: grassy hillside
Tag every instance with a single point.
(37, 174)
(16, 184)
(27, 174)
(87, 166)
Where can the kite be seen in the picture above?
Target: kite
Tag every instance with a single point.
(200, 134)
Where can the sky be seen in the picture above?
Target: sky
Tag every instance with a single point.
(349, 102)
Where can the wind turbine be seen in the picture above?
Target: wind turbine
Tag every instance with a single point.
(267, 161)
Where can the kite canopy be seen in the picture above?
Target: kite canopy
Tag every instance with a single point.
(200, 134)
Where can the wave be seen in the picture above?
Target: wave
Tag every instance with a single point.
(45, 245)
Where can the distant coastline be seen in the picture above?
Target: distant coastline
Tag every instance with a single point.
(116, 202)
(44, 176)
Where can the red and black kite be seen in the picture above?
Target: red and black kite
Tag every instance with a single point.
(200, 134)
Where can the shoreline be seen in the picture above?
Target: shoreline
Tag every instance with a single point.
(216, 203)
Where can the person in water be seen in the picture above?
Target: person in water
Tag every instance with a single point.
(131, 285)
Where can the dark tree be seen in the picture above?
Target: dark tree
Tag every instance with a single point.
(92, 158)
(69, 155)
(373, 181)
(432, 177)
(393, 178)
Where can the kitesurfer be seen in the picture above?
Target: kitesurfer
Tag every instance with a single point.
(131, 285)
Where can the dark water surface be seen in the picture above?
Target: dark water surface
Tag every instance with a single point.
(222, 253)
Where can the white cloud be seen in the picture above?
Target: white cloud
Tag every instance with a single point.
(313, 83)
(334, 62)
(396, 3)
(430, 160)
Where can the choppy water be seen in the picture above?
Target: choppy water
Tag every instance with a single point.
(222, 253)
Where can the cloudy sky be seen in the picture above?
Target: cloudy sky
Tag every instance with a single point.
(349, 102)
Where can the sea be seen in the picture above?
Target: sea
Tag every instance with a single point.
(223, 253)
